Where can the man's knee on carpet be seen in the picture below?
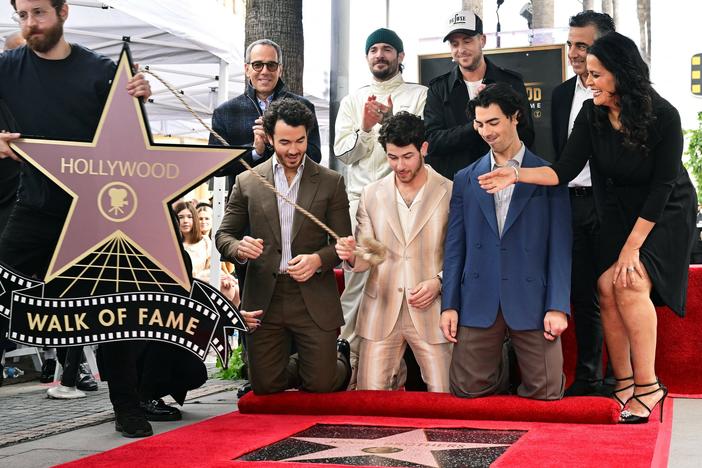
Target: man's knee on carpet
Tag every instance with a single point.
(480, 365)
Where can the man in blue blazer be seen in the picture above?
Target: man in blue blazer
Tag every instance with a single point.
(507, 264)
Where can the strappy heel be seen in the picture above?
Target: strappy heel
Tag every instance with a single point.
(628, 418)
(621, 402)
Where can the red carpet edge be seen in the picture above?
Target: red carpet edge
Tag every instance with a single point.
(580, 410)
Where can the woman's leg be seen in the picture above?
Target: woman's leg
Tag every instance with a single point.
(639, 317)
(616, 337)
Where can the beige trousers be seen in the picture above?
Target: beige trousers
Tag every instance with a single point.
(379, 361)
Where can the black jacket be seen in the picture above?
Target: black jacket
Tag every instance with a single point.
(234, 120)
(561, 102)
(9, 175)
(453, 143)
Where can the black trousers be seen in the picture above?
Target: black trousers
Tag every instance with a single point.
(586, 307)
(26, 245)
(166, 369)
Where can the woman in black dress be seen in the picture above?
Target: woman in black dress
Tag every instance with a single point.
(646, 205)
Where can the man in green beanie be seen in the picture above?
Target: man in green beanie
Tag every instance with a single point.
(356, 144)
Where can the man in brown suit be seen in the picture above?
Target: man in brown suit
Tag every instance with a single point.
(407, 211)
(290, 279)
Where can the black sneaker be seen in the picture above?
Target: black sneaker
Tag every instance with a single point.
(47, 371)
(157, 410)
(86, 381)
(132, 424)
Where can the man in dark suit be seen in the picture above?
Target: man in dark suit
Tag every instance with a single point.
(506, 265)
(291, 284)
(567, 99)
(453, 143)
(239, 120)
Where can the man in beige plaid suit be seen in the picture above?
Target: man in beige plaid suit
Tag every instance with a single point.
(407, 211)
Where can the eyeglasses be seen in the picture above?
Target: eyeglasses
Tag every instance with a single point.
(258, 66)
(38, 14)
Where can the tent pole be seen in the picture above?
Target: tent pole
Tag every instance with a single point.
(218, 183)
(339, 78)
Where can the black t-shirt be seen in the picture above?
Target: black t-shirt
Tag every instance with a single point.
(60, 99)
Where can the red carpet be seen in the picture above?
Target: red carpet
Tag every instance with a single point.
(216, 442)
(584, 410)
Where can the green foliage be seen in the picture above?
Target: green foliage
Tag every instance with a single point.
(236, 364)
(694, 151)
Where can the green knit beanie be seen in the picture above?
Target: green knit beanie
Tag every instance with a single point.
(386, 36)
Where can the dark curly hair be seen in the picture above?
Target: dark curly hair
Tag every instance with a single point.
(290, 111)
(621, 57)
(402, 129)
(502, 94)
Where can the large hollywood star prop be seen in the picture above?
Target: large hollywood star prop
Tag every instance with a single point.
(119, 237)
(121, 183)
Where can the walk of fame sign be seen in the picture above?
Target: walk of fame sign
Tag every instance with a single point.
(118, 269)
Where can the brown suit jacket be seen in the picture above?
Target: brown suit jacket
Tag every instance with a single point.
(408, 262)
(251, 204)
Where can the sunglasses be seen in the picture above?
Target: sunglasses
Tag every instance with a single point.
(258, 66)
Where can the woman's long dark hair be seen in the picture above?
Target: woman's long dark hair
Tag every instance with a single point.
(621, 57)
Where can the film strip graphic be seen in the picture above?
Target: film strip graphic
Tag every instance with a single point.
(195, 322)
(11, 281)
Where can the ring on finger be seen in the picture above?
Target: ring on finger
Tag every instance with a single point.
(630, 269)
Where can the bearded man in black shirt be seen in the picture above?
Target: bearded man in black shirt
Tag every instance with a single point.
(57, 90)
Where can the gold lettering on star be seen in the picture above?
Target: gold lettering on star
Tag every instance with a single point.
(118, 168)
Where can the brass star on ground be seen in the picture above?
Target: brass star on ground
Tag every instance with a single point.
(122, 184)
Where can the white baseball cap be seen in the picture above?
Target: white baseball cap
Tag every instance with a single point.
(464, 22)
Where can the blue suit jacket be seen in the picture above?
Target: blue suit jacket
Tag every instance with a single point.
(527, 271)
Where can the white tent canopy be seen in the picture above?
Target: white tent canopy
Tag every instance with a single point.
(189, 43)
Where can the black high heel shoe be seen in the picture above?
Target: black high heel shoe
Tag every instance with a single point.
(621, 402)
(628, 418)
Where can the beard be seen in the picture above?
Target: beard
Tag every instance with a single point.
(475, 63)
(389, 71)
(47, 39)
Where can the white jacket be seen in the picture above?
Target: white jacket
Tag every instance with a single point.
(366, 160)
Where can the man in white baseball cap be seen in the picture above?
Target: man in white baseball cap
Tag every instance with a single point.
(453, 143)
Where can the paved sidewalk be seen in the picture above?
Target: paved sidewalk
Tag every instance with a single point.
(27, 414)
(88, 440)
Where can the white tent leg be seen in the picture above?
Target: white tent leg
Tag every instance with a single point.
(218, 190)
